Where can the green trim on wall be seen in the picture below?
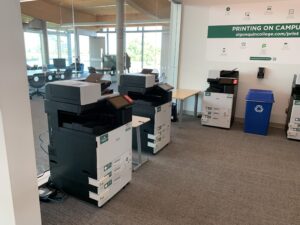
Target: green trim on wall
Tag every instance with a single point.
(257, 58)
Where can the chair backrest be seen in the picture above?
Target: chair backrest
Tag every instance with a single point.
(81, 67)
(92, 69)
(38, 80)
(67, 75)
(50, 76)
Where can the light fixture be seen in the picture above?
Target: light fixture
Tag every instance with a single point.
(27, 1)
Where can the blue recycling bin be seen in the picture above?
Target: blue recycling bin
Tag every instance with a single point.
(258, 111)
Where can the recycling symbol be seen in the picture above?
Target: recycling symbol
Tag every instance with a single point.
(259, 109)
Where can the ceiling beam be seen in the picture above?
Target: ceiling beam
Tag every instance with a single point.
(128, 17)
(157, 9)
(113, 24)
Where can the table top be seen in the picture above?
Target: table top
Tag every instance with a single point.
(32, 72)
(103, 69)
(183, 94)
(139, 120)
(75, 75)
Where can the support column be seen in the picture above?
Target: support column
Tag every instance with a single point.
(76, 41)
(45, 42)
(19, 198)
(120, 37)
(175, 27)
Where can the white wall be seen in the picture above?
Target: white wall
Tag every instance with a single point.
(194, 66)
(19, 202)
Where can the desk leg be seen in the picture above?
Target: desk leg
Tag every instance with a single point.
(196, 105)
(140, 160)
(139, 144)
(181, 111)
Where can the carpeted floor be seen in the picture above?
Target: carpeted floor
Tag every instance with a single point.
(205, 176)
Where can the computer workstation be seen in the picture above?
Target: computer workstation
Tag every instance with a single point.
(59, 71)
(59, 63)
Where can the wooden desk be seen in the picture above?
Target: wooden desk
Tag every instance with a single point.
(137, 121)
(182, 95)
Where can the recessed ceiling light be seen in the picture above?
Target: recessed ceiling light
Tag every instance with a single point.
(28, 0)
(103, 6)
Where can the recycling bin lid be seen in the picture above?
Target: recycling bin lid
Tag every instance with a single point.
(257, 95)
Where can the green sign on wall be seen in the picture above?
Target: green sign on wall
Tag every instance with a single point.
(284, 30)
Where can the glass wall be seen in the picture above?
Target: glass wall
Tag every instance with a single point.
(84, 53)
(134, 49)
(84, 34)
(152, 50)
(53, 47)
(147, 39)
(72, 35)
(143, 45)
(34, 49)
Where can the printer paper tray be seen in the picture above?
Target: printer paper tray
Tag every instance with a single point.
(97, 130)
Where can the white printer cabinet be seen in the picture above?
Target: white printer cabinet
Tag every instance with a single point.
(294, 124)
(217, 109)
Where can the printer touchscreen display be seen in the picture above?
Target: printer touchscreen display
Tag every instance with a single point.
(119, 102)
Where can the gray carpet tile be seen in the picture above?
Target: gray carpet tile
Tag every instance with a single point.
(205, 176)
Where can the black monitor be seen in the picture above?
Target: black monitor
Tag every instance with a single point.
(59, 63)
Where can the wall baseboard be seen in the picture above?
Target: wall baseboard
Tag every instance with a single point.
(240, 120)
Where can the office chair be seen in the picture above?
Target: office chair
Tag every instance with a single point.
(37, 81)
(67, 75)
(92, 70)
(81, 67)
(50, 76)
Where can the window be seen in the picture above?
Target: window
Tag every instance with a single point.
(73, 47)
(112, 44)
(134, 50)
(84, 46)
(131, 28)
(58, 46)
(33, 46)
(104, 35)
(152, 50)
(63, 44)
(143, 45)
(153, 28)
(53, 50)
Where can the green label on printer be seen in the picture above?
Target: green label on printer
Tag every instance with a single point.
(103, 138)
(108, 184)
(159, 109)
(107, 166)
(207, 94)
(297, 102)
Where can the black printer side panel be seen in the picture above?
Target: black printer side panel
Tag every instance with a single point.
(73, 160)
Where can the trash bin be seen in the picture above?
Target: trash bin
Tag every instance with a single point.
(174, 117)
(258, 111)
